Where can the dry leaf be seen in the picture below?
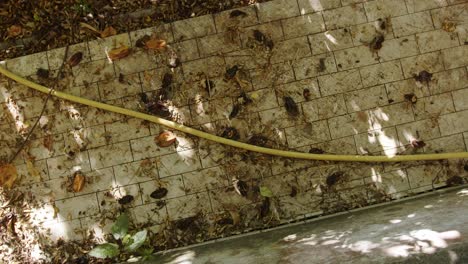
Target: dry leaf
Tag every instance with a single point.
(78, 182)
(32, 170)
(165, 139)
(48, 142)
(90, 28)
(108, 31)
(56, 210)
(449, 26)
(14, 31)
(119, 53)
(155, 44)
(75, 59)
(8, 175)
(235, 216)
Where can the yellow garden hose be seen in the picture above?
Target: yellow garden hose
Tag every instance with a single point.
(233, 143)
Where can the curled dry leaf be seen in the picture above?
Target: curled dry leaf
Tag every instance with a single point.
(78, 182)
(14, 31)
(165, 139)
(108, 31)
(119, 53)
(8, 175)
(75, 59)
(155, 44)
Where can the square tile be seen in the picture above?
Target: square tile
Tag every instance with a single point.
(309, 67)
(303, 25)
(430, 62)
(354, 57)
(110, 155)
(433, 106)
(412, 24)
(436, 40)
(455, 57)
(177, 163)
(193, 27)
(325, 107)
(422, 5)
(226, 22)
(189, 205)
(307, 134)
(277, 9)
(344, 16)
(206, 179)
(307, 6)
(340, 82)
(330, 41)
(218, 44)
(384, 8)
(381, 73)
(291, 50)
(420, 130)
(366, 98)
(135, 172)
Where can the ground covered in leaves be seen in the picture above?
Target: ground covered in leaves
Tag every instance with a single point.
(32, 26)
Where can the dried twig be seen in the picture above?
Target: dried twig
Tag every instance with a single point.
(59, 73)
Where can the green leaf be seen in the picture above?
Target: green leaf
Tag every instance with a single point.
(145, 251)
(120, 227)
(137, 241)
(126, 239)
(107, 250)
(265, 192)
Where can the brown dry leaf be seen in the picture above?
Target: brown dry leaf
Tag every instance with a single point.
(90, 28)
(108, 31)
(165, 139)
(235, 216)
(32, 170)
(119, 53)
(75, 59)
(48, 142)
(14, 31)
(78, 182)
(449, 26)
(8, 175)
(155, 44)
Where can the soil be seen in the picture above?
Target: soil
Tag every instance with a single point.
(33, 26)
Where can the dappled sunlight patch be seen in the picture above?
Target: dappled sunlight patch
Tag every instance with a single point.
(315, 4)
(186, 257)
(290, 238)
(363, 246)
(331, 38)
(16, 115)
